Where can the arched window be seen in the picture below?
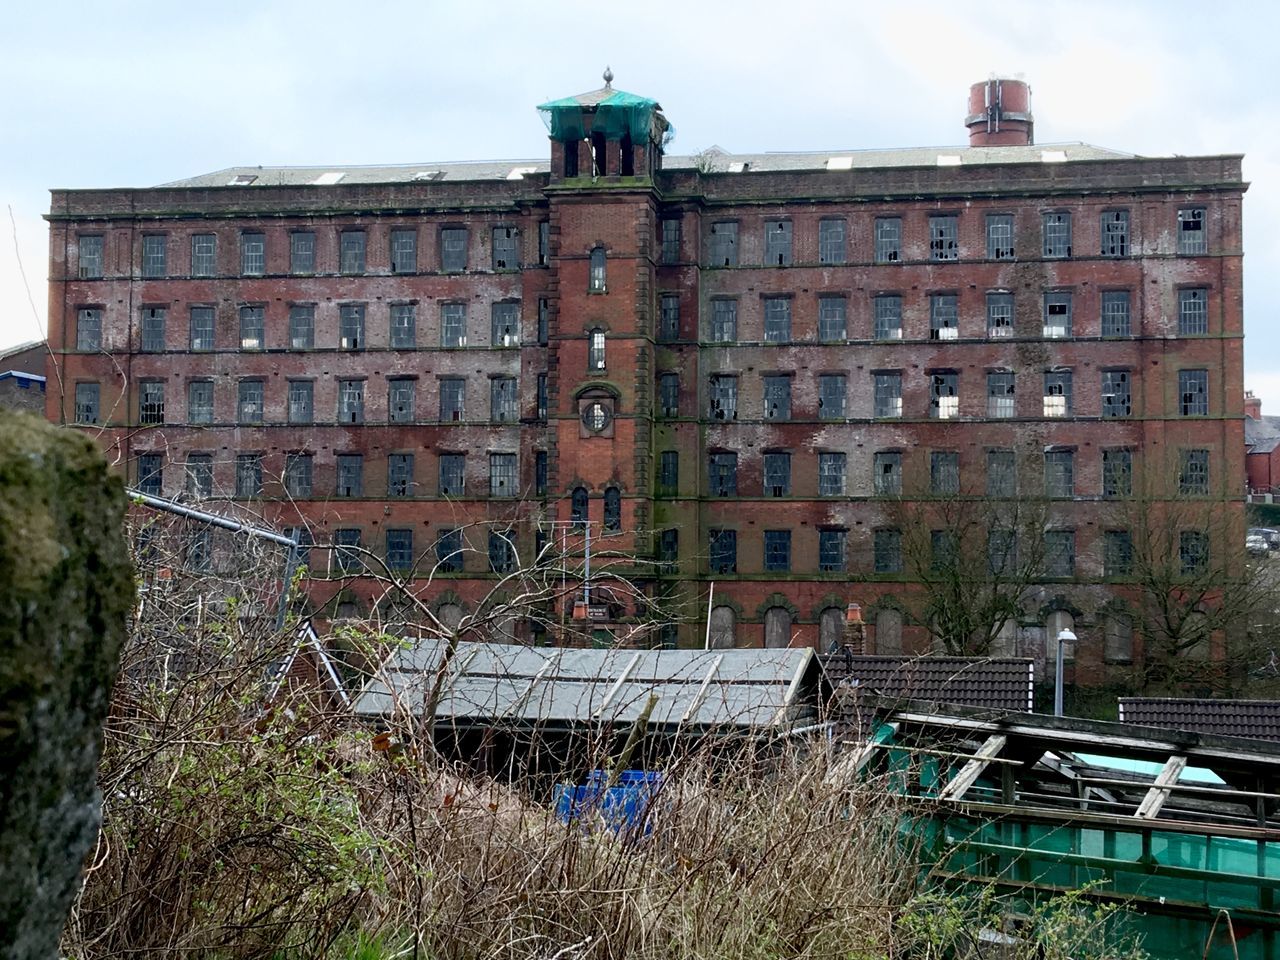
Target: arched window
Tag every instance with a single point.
(578, 503)
(724, 628)
(596, 283)
(595, 352)
(1005, 643)
(1117, 638)
(888, 632)
(777, 627)
(830, 629)
(449, 615)
(612, 510)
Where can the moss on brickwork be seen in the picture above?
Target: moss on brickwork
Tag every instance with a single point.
(66, 586)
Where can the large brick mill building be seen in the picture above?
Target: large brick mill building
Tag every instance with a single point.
(742, 369)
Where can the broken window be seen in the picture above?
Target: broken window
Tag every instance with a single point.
(724, 321)
(541, 401)
(452, 398)
(150, 473)
(669, 551)
(544, 243)
(831, 319)
(351, 401)
(400, 399)
(453, 324)
(502, 475)
(1116, 398)
(253, 254)
(155, 249)
(249, 475)
(200, 474)
(888, 317)
(597, 277)
(352, 251)
(453, 249)
(404, 326)
(88, 402)
(999, 236)
(722, 551)
(1057, 235)
(944, 317)
(1059, 553)
(670, 240)
(90, 251)
(777, 551)
(668, 472)
(1117, 473)
(944, 472)
(252, 322)
(1193, 312)
(1002, 551)
(452, 477)
(350, 475)
(579, 505)
(544, 321)
(506, 252)
(1193, 393)
(449, 551)
(200, 401)
(249, 401)
(595, 350)
(1193, 551)
(1192, 238)
(404, 251)
(204, 255)
(1115, 313)
(831, 553)
(302, 252)
(999, 315)
(724, 244)
(1115, 233)
(831, 241)
(301, 401)
(1057, 393)
(777, 474)
(887, 551)
(777, 319)
(669, 394)
(722, 474)
(298, 474)
(831, 474)
(540, 473)
(503, 401)
(399, 474)
(669, 317)
(1002, 473)
(1193, 473)
(151, 401)
(944, 394)
(153, 329)
(346, 549)
(942, 549)
(1000, 397)
(943, 237)
(888, 239)
(888, 394)
(612, 510)
(1057, 314)
(831, 396)
(400, 548)
(1059, 473)
(777, 243)
(724, 397)
(302, 327)
(1117, 634)
(201, 328)
(351, 326)
(89, 328)
(505, 325)
(886, 476)
(777, 397)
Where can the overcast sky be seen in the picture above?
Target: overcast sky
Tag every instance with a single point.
(112, 94)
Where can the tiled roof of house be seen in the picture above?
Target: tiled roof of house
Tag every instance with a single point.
(1255, 719)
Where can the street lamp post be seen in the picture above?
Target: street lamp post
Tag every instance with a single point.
(1064, 637)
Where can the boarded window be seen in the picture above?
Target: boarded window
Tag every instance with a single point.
(777, 627)
(888, 632)
(723, 629)
(831, 629)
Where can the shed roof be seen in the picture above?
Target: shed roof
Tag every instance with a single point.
(487, 684)
(1255, 719)
(1003, 684)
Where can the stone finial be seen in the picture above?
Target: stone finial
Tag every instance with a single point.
(608, 78)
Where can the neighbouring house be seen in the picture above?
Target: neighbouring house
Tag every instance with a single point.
(22, 379)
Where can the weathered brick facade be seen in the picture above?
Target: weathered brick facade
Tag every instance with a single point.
(1160, 237)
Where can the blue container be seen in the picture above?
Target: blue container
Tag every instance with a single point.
(624, 807)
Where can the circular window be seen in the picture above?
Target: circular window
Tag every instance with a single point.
(596, 417)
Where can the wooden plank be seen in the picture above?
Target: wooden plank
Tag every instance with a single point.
(1149, 809)
(848, 767)
(701, 695)
(970, 772)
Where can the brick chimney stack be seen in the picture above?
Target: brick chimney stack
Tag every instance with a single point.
(1000, 114)
(1252, 406)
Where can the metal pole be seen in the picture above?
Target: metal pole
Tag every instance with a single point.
(586, 572)
(706, 643)
(1057, 681)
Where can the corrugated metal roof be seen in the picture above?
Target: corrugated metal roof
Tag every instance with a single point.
(498, 683)
(718, 160)
(1255, 719)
